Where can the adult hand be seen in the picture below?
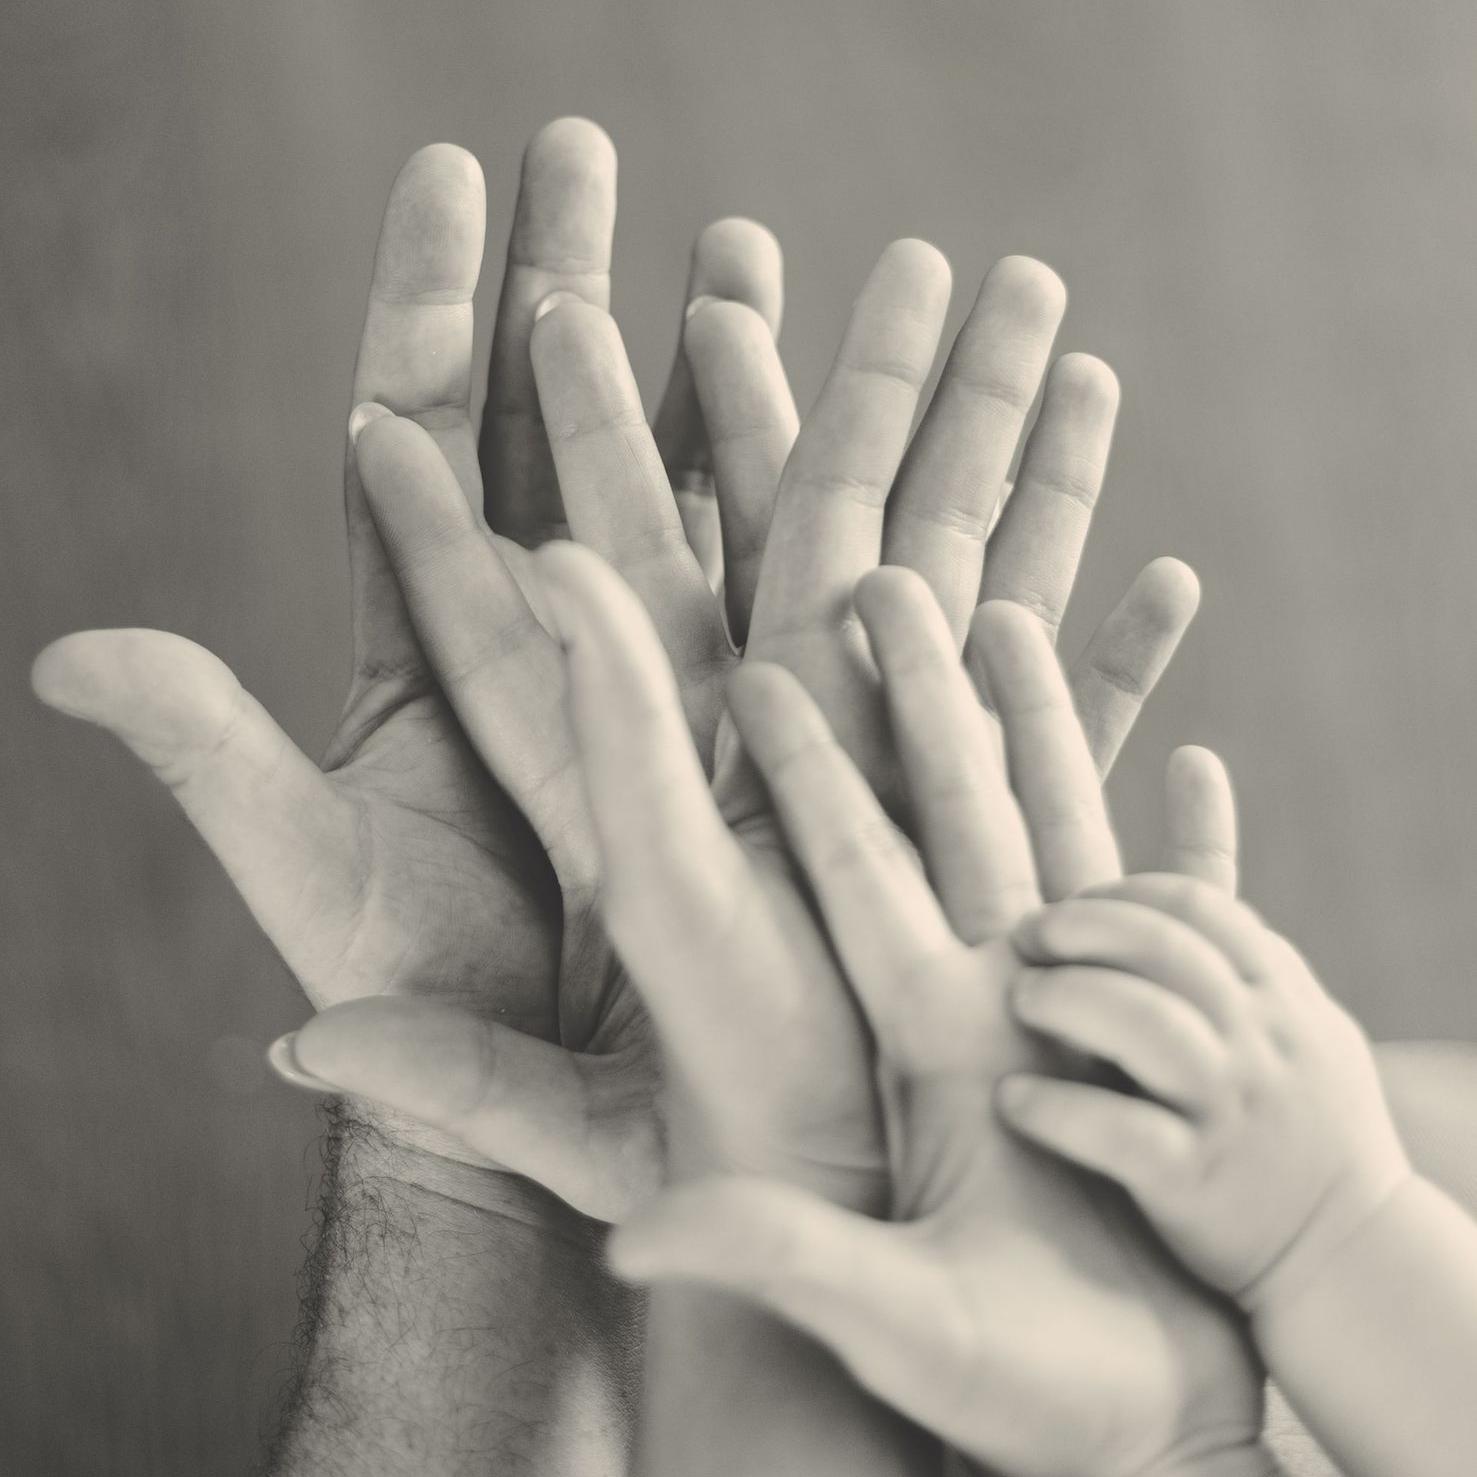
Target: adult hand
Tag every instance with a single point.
(400, 868)
(828, 526)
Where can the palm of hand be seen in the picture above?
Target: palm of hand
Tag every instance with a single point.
(451, 878)
(1073, 1333)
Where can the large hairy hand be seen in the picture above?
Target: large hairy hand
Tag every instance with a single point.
(848, 491)
(401, 868)
(1017, 1308)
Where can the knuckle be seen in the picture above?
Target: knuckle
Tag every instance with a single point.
(866, 491)
(887, 372)
(996, 383)
(1124, 673)
(1038, 602)
(1072, 477)
(871, 843)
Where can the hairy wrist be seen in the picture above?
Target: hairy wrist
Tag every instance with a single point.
(455, 1320)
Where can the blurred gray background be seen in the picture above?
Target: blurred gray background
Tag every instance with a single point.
(1267, 218)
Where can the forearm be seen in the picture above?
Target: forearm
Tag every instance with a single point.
(455, 1323)
(1377, 1351)
(732, 1392)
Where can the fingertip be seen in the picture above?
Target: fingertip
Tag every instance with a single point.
(571, 147)
(905, 624)
(1191, 761)
(721, 326)
(1035, 289)
(736, 239)
(435, 220)
(1085, 384)
(925, 268)
(394, 456)
(283, 1060)
(440, 162)
(152, 687)
(1199, 799)
(570, 334)
(578, 585)
(890, 592)
(740, 259)
(54, 673)
(1170, 589)
(363, 415)
(1000, 627)
(755, 686)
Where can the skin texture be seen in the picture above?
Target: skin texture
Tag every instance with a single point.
(527, 1112)
(1261, 1149)
(401, 868)
(852, 443)
(434, 879)
(1259, 1137)
(914, 1310)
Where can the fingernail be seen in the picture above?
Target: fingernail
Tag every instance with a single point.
(282, 1057)
(698, 304)
(553, 300)
(361, 416)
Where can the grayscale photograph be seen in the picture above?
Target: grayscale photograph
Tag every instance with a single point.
(740, 741)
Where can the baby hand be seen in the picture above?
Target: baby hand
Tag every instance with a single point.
(1258, 1138)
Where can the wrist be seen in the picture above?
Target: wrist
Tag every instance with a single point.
(454, 1317)
(1342, 1218)
(369, 1147)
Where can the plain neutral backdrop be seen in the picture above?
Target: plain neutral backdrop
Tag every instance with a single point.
(1266, 217)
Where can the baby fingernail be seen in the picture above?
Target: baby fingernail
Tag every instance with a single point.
(553, 301)
(698, 304)
(361, 416)
(282, 1056)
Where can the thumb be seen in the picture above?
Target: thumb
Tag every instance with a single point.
(283, 832)
(863, 1288)
(576, 1124)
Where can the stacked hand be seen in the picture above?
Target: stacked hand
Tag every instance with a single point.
(1016, 1309)
(449, 884)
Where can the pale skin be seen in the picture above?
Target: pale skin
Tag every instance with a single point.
(1260, 1147)
(466, 1077)
(401, 867)
(423, 869)
(1143, 1373)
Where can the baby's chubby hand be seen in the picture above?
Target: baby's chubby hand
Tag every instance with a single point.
(1253, 1133)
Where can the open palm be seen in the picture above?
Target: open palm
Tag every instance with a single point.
(1016, 1307)
(801, 519)
(401, 866)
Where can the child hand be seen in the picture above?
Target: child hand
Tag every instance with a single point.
(1016, 1307)
(1261, 1139)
